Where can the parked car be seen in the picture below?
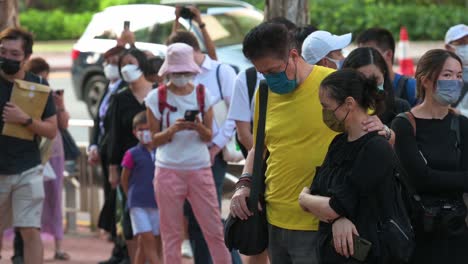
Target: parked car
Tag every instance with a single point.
(227, 21)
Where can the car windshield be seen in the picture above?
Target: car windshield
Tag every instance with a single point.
(226, 27)
(229, 28)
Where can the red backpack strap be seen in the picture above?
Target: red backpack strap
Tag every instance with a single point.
(412, 121)
(162, 98)
(201, 98)
(162, 104)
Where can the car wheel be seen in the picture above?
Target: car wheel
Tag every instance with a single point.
(94, 89)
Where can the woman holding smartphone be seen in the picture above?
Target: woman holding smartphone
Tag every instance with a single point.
(352, 188)
(182, 160)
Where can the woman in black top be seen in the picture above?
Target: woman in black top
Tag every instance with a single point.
(369, 62)
(435, 160)
(353, 185)
(125, 105)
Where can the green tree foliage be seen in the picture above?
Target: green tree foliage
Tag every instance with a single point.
(55, 25)
(105, 3)
(424, 22)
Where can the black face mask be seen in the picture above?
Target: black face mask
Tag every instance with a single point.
(9, 67)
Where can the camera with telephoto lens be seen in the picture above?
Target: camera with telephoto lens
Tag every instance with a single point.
(186, 13)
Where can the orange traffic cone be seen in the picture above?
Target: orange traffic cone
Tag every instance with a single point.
(405, 62)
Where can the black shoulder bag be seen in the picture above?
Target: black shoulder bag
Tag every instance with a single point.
(433, 215)
(250, 236)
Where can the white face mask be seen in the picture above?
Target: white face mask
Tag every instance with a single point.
(181, 80)
(144, 136)
(462, 52)
(338, 63)
(131, 73)
(111, 72)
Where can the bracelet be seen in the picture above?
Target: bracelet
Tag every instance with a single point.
(202, 25)
(388, 133)
(60, 110)
(246, 175)
(245, 179)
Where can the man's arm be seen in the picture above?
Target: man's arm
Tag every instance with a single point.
(44, 128)
(244, 134)
(209, 44)
(227, 77)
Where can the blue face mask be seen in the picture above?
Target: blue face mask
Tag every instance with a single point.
(279, 82)
(448, 91)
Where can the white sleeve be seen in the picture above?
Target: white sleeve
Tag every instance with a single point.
(227, 77)
(152, 102)
(239, 109)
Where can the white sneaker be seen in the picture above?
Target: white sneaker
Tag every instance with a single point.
(186, 249)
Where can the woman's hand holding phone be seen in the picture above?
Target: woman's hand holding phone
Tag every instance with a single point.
(343, 230)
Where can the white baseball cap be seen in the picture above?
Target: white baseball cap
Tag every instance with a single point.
(456, 32)
(319, 43)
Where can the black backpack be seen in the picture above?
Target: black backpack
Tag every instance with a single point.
(251, 77)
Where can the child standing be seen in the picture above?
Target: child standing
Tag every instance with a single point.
(137, 177)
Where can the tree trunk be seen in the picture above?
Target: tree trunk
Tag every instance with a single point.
(295, 10)
(8, 14)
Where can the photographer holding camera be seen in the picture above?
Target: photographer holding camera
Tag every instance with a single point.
(193, 14)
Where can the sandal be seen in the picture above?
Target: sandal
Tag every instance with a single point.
(61, 256)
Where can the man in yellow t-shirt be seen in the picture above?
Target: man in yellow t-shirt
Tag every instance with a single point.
(295, 136)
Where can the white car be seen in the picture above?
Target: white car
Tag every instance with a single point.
(227, 21)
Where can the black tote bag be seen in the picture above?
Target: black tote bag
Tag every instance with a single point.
(250, 236)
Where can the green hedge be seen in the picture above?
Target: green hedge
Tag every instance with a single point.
(55, 25)
(424, 22)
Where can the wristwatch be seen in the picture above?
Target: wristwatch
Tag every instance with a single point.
(28, 122)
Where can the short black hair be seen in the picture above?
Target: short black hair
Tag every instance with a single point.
(19, 33)
(284, 21)
(154, 64)
(382, 37)
(268, 39)
(37, 65)
(139, 119)
(301, 34)
(186, 37)
(139, 55)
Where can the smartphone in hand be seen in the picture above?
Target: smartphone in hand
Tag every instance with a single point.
(190, 115)
(361, 248)
(58, 92)
(126, 25)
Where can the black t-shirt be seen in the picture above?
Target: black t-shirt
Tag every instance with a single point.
(18, 155)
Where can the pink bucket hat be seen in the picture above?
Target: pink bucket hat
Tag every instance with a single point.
(179, 58)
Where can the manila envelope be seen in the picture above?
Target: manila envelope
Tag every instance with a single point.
(32, 99)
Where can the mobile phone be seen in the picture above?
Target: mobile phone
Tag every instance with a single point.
(361, 248)
(190, 115)
(58, 92)
(126, 25)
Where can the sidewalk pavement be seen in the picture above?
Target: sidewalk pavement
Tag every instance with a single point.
(84, 247)
(61, 61)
